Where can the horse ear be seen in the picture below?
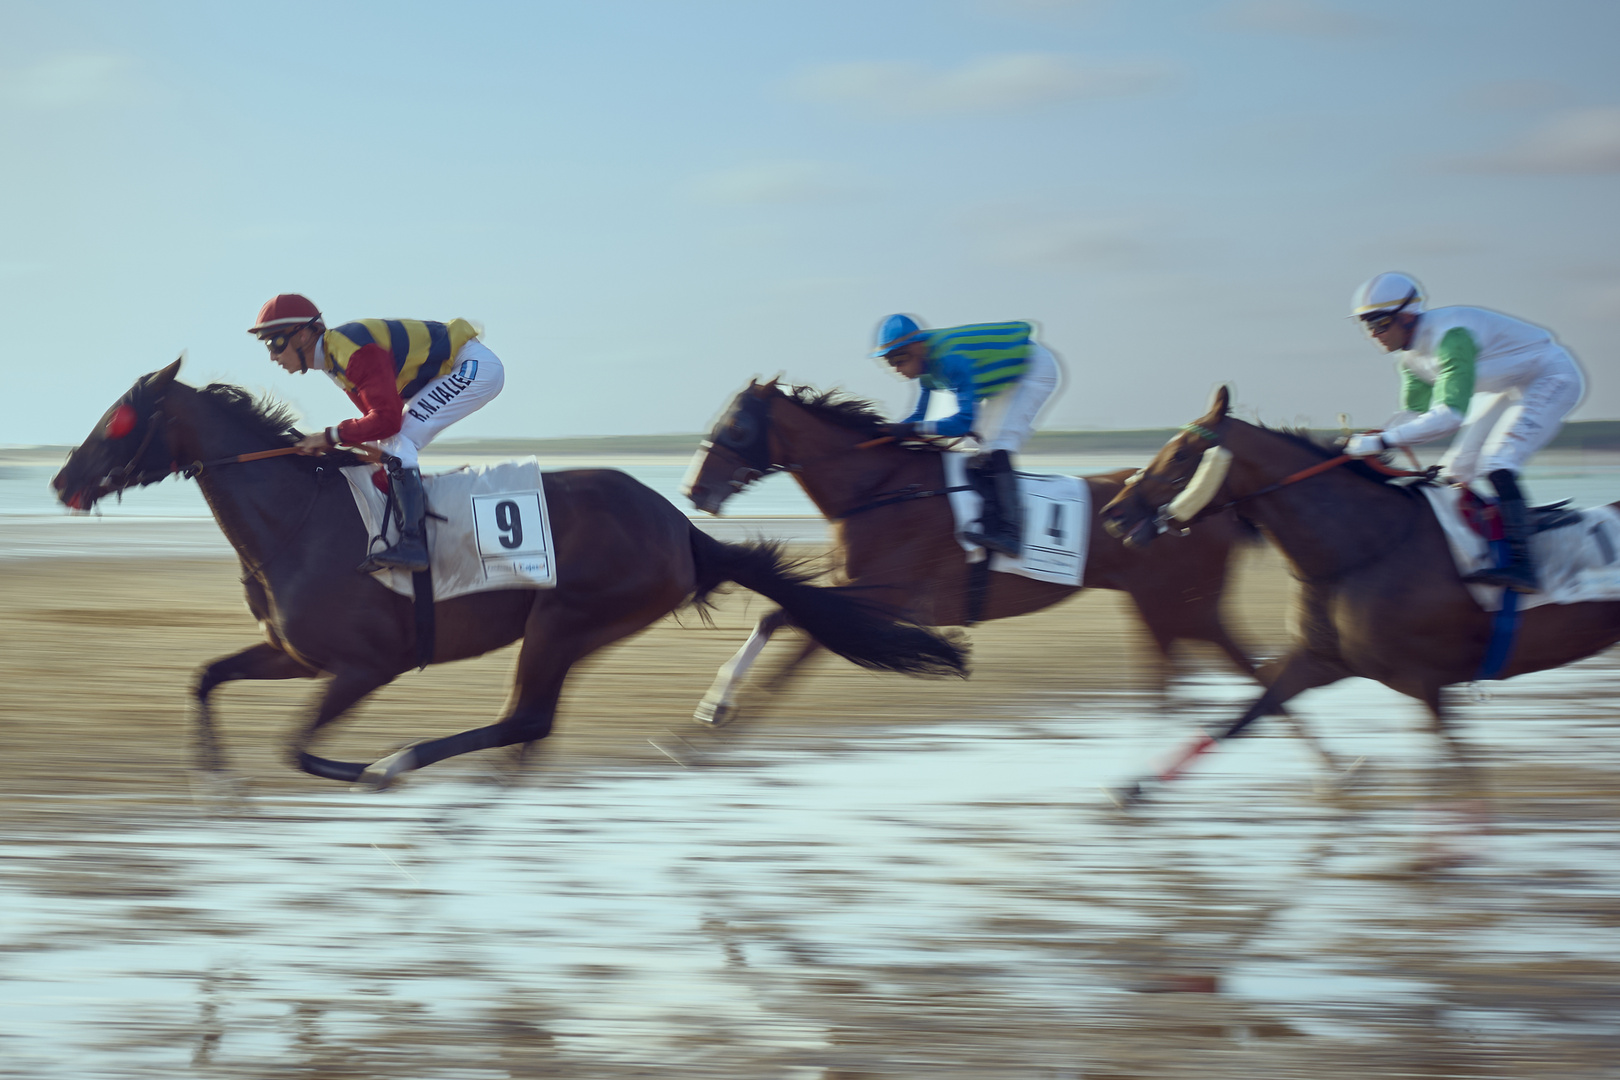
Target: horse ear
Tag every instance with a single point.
(160, 379)
(1220, 403)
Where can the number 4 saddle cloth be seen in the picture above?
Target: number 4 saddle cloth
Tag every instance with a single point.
(495, 531)
(1057, 524)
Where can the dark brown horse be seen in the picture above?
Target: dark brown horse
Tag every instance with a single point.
(900, 549)
(1380, 596)
(625, 557)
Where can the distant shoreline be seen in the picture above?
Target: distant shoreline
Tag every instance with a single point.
(1589, 435)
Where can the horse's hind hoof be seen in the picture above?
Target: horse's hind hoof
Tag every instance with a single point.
(714, 714)
(381, 775)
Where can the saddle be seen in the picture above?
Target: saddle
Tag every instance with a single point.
(1482, 516)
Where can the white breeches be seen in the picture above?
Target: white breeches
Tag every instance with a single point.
(1502, 430)
(473, 383)
(1005, 421)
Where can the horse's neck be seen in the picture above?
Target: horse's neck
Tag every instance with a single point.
(837, 477)
(1329, 523)
(253, 502)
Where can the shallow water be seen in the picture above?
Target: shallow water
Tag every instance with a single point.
(956, 900)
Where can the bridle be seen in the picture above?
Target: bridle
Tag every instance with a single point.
(1167, 517)
(137, 471)
(746, 435)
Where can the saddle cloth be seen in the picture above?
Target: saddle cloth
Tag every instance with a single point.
(1057, 524)
(1576, 563)
(497, 532)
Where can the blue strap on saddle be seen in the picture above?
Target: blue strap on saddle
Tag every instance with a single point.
(1504, 625)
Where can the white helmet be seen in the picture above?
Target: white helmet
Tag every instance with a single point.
(1387, 295)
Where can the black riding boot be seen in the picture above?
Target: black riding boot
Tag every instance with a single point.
(1001, 522)
(1518, 575)
(410, 514)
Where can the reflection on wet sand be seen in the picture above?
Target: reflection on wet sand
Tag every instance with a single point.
(937, 889)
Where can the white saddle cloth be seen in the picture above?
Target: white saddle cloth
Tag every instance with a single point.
(1577, 564)
(497, 534)
(1057, 524)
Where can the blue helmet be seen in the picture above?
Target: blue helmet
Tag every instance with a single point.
(895, 331)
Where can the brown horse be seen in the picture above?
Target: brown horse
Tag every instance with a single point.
(899, 547)
(625, 557)
(1380, 596)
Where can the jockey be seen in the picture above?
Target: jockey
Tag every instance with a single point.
(411, 379)
(1000, 365)
(1503, 385)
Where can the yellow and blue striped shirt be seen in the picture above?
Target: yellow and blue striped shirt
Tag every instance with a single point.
(422, 351)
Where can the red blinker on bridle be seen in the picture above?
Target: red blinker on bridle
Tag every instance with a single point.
(122, 421)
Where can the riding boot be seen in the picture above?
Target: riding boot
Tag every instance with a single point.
(1518, 575)
(1001, 521)
(410, 553)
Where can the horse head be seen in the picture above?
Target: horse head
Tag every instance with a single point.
(1179, 483)
(737, 451)
(128, 446)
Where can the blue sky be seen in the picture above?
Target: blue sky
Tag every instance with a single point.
(646, 203)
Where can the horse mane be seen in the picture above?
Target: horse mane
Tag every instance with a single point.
(838, 407)
(1302, 438)
(266, 417)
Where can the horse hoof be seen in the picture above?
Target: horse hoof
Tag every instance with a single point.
(714, 713)
(1124, 798)
(381, 775)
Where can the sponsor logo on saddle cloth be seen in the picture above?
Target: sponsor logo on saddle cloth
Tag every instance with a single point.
(497, 532)
(1576, 562)
(1057, 524)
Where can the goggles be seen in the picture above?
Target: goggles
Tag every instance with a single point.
(1376, 322)
(277, 343)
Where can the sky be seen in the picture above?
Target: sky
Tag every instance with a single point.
(647, 202)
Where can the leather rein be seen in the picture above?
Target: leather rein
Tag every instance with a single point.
(746, 434)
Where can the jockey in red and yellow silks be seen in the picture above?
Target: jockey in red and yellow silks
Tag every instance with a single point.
(410, 379)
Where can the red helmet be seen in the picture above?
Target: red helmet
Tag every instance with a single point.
(285, 312)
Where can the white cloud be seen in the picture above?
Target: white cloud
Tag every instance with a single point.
(1572, 141)
(1027, 237)
(778, 182)
(1303, 17)
(987, 84)
(65, 80)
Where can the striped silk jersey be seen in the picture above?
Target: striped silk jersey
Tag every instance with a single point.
(422, 351)
(995, 354)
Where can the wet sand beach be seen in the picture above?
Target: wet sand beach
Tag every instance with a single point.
(875, 877)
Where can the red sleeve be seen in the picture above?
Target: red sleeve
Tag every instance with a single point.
(371, 369)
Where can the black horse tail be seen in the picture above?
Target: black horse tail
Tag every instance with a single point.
(860, 631)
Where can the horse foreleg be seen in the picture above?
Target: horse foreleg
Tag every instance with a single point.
(1298, 672)
(261, 661)
(1466, 816)
(346, 688)
(719, 704)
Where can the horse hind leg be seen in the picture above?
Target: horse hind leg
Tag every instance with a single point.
(260, 661)
(719, 704)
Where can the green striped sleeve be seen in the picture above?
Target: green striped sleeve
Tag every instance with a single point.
(1455, 359)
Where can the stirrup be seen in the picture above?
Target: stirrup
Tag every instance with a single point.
(411, 558)
(999, 544)
(1521, 579)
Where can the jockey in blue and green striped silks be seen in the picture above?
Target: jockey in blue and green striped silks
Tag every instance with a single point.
(1001, 377)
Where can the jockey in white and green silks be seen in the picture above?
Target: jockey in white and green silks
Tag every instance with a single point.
(1502, 384)
(1001, 377)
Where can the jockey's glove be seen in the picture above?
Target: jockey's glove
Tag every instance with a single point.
(902, 431)
(1365, 445)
